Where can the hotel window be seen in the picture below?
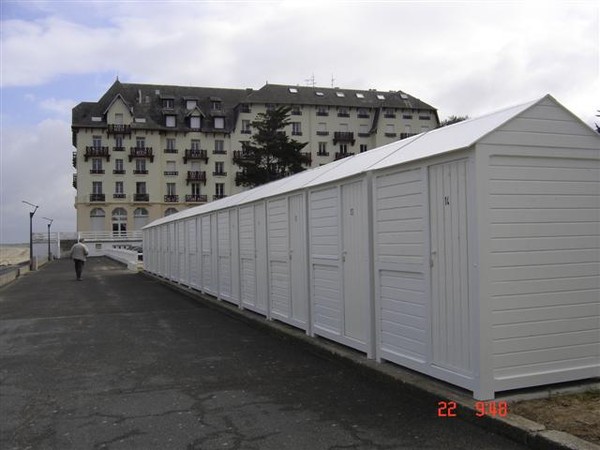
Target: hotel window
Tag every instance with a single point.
(195, 144)
(118, 142)
(119, 118)
(219, 190)
(171, 189)
(119, 192)
(171, 145)
(195, 122)
(195, 188)
(97, 166)
(390, 130)
(322, 129)
(190, 104)
(170, 121)
(171, 168)
(219, 146)
(140, 142)
(140, 166)
(119, 166)
(322, 149)
(295, 111)
(363, 148)
(168, 103)
(216, 105)
(246, 127)
(343, 149)
(270, 106)
(219, 122)
(322, 111)
(363, 130)
(140, 187)
(296, 129)
(219, 168)
(96, 187)
(97, 141)
(363, 113)
(343, 112)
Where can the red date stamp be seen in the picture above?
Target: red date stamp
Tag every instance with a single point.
(493, 408)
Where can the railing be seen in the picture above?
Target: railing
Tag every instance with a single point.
(195, 154)
(96, 152)
(322, 133)
(218, 196)
(75, 159)
(195, 198)
(119, 196)
(119, 171)
(117, 128)
(170, 173)
(141, 152)
(391, 134)
(322, 153)
(219, 174)
(75, 180)
(97, 197)
(342, 155)
(195, 175)
(118, 149)
(171, 198)
(240, 155)
(343, 136)
(141, 197)
(407, 135)
(322, 113)
(171, 150)
(110, 235)
(97, 171)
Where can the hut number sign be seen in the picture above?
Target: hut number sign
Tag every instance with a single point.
(493, 408)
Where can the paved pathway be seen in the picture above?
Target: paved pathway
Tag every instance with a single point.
(120, 361)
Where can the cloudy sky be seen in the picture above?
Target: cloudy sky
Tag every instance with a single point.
(462, 57)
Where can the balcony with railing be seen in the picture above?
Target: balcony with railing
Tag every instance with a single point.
(75, 160)
(141, 152)
(97, 197)
(343, 136)
(118, 128)
(119, 196)
(75, 180)
(407, 135)
(141, 197)
(240, 155)
(195, 154)
(219, 173)
(195, 176)
(341, 155)
(96, 152)
(171, 150)
(218, 196)
(196, 198)
(171, 198)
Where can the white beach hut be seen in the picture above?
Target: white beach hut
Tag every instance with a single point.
(470, 253)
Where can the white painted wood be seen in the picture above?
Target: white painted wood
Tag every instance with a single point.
(224, 256)
(207, 283)
(279, 259)
(182, 268)
(450, 322)
(235, 256)
(298, 261)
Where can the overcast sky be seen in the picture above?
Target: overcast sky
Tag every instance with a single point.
(464, 58)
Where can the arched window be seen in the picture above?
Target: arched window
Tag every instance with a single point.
(97, 216)
(170, 211)
(140, 218)
(119, 221)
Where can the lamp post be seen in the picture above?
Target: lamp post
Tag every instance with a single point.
(49, 223)
(31, 213)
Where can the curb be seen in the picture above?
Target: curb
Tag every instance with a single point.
(515, 427)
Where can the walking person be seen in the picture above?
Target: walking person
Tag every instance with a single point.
(79, 253)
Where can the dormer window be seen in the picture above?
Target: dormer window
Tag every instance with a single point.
(168, 103)
(380, 97)
(170, 121)
(190, 104)
(293, 90)
(340, 94)
(219, 123)
(195, 122)
(216, 105)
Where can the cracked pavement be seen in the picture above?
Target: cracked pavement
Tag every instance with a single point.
(120, 361)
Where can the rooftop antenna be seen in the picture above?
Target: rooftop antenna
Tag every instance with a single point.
(310, 81)
(332, 80)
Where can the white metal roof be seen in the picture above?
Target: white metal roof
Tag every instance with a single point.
(441, 140)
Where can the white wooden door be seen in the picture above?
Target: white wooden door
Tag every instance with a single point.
(298, 261)
(279, 259)
(224, 255)
(206, 257)
(182, 272)
(355, 263)
(247, 257)
(450, 324)
(192, 239)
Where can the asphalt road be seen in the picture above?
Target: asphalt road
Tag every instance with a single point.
(120, 361)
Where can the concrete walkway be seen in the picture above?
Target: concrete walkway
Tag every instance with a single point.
(121, 361)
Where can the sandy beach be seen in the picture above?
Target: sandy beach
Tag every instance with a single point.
(13, 254)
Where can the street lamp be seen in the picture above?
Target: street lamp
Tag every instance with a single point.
(49, 223)
(31, 213)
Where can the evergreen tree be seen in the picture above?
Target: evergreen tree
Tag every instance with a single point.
(270, 154)
(452, 119)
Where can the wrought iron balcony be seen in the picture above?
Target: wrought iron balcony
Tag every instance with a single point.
(117, 128)
(391, 134)
(97, 171)
(171, 150)
(141, 152)
(343, 136)
(118, 149)
(170, 173)
(219, 174)
(119, 195)
(322, 153)
(195, 154)
(240, 155)
(75, 159)
(340, 155)
(218, 196)
(97, 197)
(406, 135)
(196, 198)
(96, 152)
(75, 180)
(195, 176)
(141, 197)
(322, 133)
(171, 198)
(119, 171)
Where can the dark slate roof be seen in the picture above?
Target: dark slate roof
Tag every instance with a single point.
(306, 95)
(146, 101)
